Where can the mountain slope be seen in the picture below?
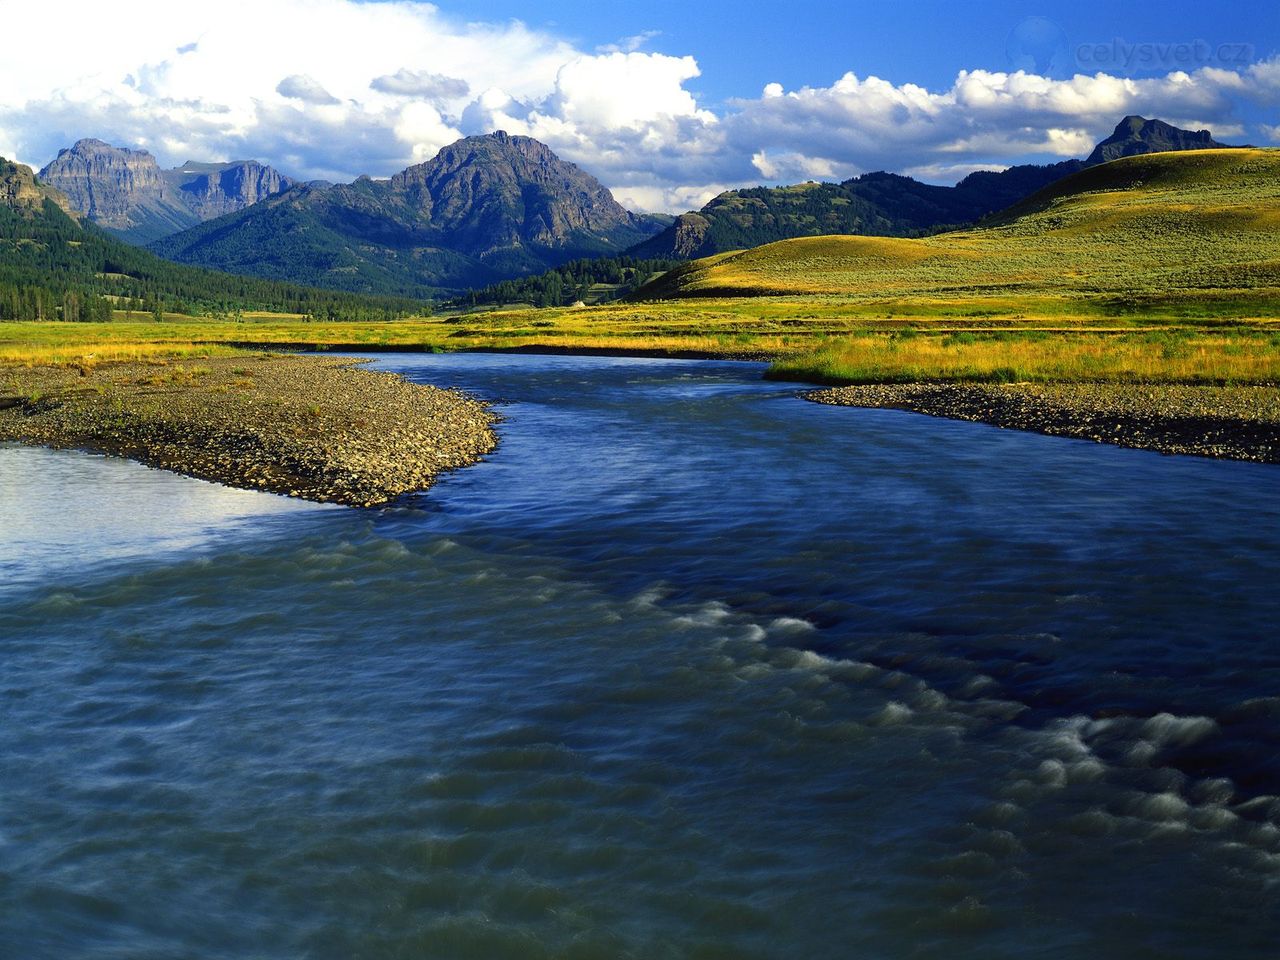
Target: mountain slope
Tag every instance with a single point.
(485, 208)
(54, 266)
(884, 204)
(1152, 225)
(126, 193)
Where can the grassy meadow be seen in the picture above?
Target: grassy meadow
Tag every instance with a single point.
(1160, 268)
(1170, 356)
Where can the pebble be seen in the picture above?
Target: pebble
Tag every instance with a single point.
(1227, 422)
(317, 428)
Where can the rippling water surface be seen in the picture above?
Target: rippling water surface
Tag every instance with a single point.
(688, 668)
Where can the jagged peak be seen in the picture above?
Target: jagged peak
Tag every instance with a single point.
(1137, 134)
(498, 147)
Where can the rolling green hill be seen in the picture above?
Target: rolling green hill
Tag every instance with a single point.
(890, 205)
(1161, 225)
(874, 204)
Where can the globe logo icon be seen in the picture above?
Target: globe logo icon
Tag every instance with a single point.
(1038, 45)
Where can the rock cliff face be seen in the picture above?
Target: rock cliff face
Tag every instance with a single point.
(20, 191)
(213, 190)
(125, 191)
(1137, 135)
(688, 233)
(484, 209)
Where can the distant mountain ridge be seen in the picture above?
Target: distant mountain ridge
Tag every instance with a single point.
(213, 190)
(887, 204)
(55, 264)
(483, 209)
(125, 192)
(496, 207)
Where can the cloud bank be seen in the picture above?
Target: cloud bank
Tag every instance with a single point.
(334, 88)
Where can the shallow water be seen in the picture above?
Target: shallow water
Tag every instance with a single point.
(688, 668)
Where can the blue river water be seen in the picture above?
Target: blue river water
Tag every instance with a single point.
(688, 667)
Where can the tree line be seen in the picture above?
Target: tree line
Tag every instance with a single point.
(570, 282)
(53, 268)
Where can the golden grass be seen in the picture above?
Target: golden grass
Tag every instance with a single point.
(828, 352)
(1162, 268)
(1064, 358)
(1195, 221)
(89, 352)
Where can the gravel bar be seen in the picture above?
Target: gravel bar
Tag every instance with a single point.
(1231, 422)
(317, 428)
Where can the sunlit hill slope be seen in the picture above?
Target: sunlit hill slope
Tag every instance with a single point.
(1197, 222)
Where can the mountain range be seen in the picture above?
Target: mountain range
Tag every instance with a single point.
(126, 193)
(483, 209)
(55, 264)
(493, 207)
(890, 205)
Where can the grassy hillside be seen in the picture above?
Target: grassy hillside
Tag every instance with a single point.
(875, 204)
(890, 205)
(1195, 224)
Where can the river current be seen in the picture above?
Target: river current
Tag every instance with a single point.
(688, 667)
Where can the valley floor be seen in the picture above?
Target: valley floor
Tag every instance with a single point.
(197, 396)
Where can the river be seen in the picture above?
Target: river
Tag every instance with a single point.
(688, 667)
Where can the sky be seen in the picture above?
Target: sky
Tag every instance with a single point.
(667, 102)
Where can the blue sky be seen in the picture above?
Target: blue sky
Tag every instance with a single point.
(740, 49)
(667, 102)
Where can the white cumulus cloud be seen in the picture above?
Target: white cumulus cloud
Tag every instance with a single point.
(336, 88)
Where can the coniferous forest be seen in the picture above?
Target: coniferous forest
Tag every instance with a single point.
(53, 268)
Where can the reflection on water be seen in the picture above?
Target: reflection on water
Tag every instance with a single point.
(61, 512)
(687, 668)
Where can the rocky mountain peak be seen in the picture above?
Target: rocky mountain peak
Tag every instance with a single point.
(483, 209)
(1136, 135)
(214, 190)
(501, 190)
(100, 180)
(126, 192)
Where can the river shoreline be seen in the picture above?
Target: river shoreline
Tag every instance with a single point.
(1234, 423)
(321, 428)
(316, 428)
(537, 350)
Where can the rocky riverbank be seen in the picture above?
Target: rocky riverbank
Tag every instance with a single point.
(1239, 423)
(317, 428)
